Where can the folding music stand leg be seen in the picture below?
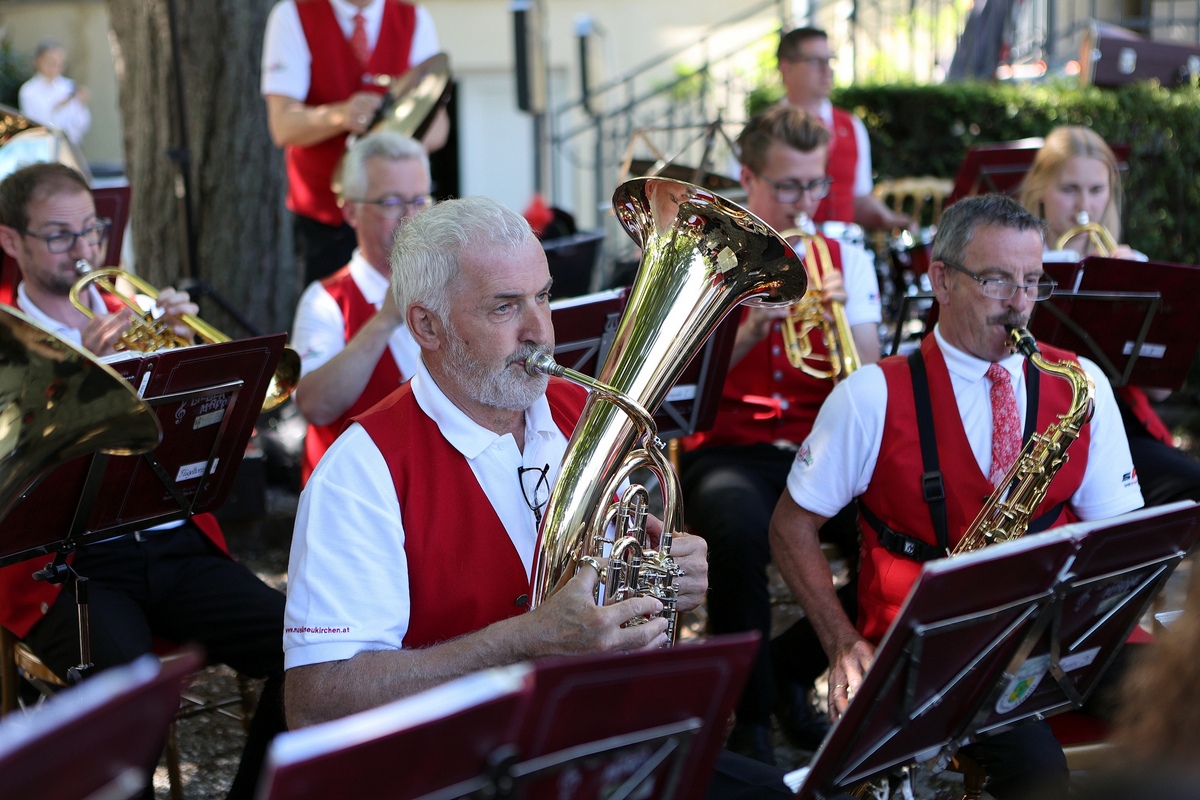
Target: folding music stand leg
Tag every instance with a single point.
(59, 571)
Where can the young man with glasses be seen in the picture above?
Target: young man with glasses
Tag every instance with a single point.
(353, 344)
(734, 473)
(175, 581)
(806, 68)
(867, 444)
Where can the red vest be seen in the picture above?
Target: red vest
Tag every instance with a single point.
(336, 75)
(749, 412)
(24, 601)
(384, 380)
(464, 573)
(895, 493)
(842, 164)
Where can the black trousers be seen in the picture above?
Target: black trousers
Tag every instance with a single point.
(322, 249)
(729, 494)
(1022, 763)
(1164, 473)
(176, 585)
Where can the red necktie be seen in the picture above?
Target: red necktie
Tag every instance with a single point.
(358, 40)
(1006, 423)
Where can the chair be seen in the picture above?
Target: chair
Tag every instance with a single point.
(922, 198)
(18, 662)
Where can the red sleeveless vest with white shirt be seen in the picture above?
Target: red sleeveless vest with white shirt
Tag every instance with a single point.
(841, 167)
(384, 380)
(336, 75)
(895, 492)
(452, 535)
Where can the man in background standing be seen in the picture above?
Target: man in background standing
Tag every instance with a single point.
(51, 98)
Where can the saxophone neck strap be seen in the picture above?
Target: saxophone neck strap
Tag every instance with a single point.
(933, 486)
(897, 543)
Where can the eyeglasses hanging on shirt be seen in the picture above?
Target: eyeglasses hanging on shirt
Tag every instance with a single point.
(535, 488)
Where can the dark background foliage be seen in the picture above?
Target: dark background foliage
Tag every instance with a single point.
(926, 130)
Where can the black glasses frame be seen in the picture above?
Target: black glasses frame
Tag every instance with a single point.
(792, 191)
(541, 484)
(390, 204)
(995, 288)
(94, 235)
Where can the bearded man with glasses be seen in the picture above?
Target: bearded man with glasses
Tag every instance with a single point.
(965, 395)
(353, 344)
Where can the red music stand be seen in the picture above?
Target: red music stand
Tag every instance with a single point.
(1001, 166)
(97, 739)
(1147, 337)
(952, 660)
(613, 726)
(584, 329)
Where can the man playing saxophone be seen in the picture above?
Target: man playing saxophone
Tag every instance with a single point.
(734, 473)
(967, 398)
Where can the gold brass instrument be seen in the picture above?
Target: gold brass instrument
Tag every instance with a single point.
(701, 256)
(1102, 241)
(809, 313)
(58, 402)
(1008, 511)
(147, 333)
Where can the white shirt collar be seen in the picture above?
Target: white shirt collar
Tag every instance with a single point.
(967, 366)
(345, 11)
(370, 282)
(464, 434)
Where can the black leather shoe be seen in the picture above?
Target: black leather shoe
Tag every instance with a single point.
(753, 741)
(803, 726)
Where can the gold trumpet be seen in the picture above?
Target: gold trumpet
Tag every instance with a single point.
(1102, 241)
(809, 313)
(146, 333)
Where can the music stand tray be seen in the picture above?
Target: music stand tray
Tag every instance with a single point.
(952, 660)
(207, 399)
(97, 739)
(592, 726)
(584, 329)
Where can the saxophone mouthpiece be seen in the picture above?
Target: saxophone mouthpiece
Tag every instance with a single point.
(82, 266)
(1022, 341)
(544, 363)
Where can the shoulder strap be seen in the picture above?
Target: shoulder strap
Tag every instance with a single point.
(932, 484)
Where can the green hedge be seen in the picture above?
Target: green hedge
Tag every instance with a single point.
(926, 130)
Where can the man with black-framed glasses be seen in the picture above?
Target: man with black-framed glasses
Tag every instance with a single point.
(354, 348)
(967, 398)
(806, 68)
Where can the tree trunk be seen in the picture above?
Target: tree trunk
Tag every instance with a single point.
(243, 243)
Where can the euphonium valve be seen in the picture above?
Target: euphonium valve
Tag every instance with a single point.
(1102, 241)
(148, 332)
(809, 314)
(701, 257)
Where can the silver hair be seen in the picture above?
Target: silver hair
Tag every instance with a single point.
(429, 247)
(958, 223)
(381, 144)
(45, 46)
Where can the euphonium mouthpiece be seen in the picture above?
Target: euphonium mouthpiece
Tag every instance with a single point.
(82, 266)
(541, 362)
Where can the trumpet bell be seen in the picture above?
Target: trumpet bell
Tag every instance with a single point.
(58, 402)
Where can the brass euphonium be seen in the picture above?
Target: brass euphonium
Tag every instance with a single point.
(1100, 237)
(58, 402)
(1009, 509)
(809, 314)
(147, 333)
(701, 257)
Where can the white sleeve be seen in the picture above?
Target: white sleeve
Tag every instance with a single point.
(864, 183)
(35, 104)
(1110, 484)
(862, 285)
(425, 38)
(286, 59)
(348, 571)
(835, 463)
(319, 332)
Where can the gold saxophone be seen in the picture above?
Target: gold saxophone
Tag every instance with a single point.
(701, 257)
(1007, 513)
(809, 313)
(1098, 235)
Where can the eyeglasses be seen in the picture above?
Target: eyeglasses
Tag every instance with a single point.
(393, 206)
(824, 62)
(1006, 290)
(537, 495)
(792, 191)
(64, 241)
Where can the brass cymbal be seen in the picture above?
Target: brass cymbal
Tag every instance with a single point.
(412, 98)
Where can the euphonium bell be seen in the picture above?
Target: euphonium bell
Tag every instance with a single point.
(809, 314)
(146, 333)
(58, 402)
(701, 257)
(1097, 234)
